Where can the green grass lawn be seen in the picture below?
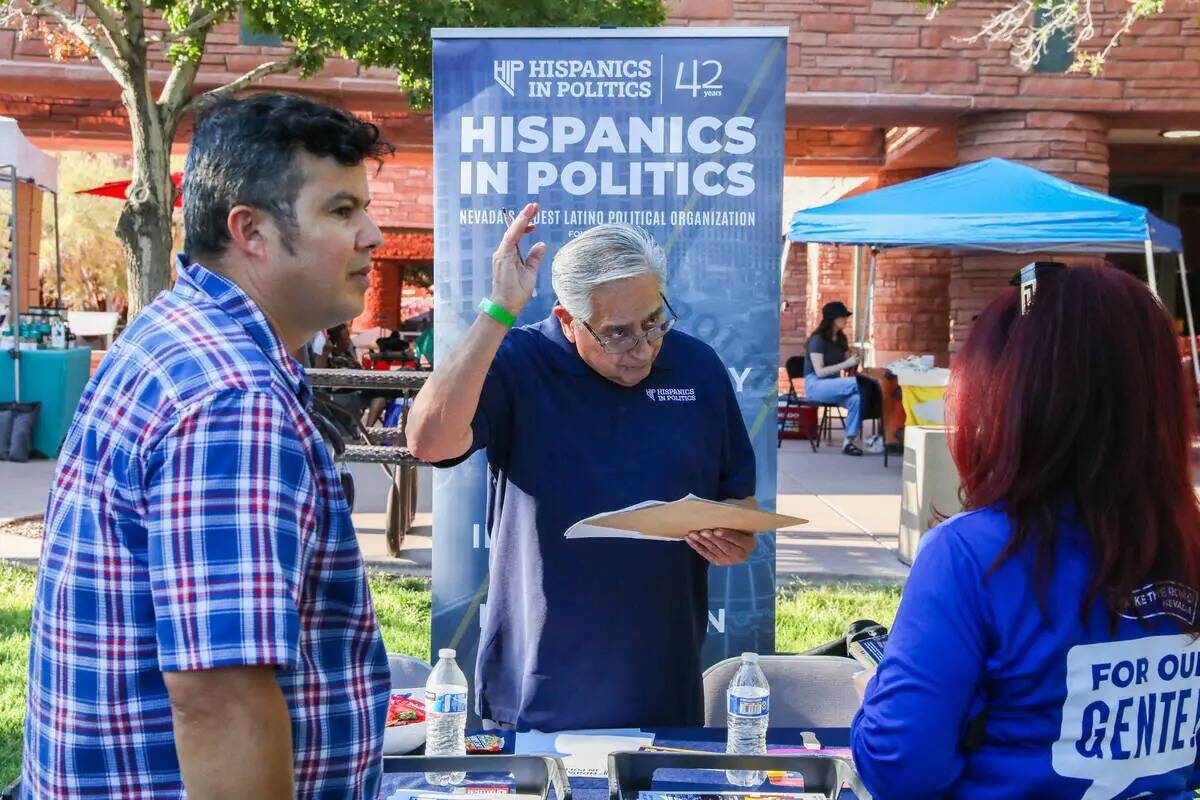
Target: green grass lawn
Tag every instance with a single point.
(806, 615)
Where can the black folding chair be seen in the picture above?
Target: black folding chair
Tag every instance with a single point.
(827, 412)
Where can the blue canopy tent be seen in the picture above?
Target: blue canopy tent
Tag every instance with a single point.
(993, 205)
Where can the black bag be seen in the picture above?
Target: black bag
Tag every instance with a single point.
(20, 443)
(6, 426)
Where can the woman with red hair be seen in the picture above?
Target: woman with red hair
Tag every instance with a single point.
(1046, 644)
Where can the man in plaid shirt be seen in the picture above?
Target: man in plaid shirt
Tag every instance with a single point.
(203, 623)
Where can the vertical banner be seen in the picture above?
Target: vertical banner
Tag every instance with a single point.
(678, 130)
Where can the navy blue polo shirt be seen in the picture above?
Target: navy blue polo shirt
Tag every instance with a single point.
(589, 633)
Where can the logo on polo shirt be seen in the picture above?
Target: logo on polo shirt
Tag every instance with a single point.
(672, 395)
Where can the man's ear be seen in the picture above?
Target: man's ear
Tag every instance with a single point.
(246, 234)
(567, 321)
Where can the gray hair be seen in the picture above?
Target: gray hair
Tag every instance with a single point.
(601, 255)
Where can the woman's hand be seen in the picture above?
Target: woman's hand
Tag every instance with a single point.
(861, 679)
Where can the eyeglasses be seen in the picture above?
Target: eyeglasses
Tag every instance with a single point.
(624, 342)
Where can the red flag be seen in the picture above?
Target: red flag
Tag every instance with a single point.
(120, 189)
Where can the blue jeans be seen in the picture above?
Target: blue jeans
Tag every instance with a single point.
(842, 392)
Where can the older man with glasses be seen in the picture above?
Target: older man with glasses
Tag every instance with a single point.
(599, 406)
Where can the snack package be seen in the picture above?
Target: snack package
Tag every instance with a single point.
(485, 743)
(404, 709)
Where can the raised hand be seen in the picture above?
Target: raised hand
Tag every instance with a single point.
(513, 282)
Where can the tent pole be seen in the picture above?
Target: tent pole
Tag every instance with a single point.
(854, 295)
(14, 299)
(1191, 322)
(783, 261)
(869, 323)
(1151, 278)
(58, 298)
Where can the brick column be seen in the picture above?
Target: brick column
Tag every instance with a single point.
(1070, 146)
(912, 304)
(834, 276)
(793, 312)
(912, 295)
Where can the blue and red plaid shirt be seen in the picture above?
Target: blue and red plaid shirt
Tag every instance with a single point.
(198, 521)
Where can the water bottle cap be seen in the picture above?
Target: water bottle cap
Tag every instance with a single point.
(749, 658)
(446, 652)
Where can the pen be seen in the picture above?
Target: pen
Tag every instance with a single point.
(654, 748)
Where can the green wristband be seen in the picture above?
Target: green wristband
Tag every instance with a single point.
(497, 312)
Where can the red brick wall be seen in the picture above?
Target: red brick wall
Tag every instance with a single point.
(854, 147)
(402, 194)
(882, 47)
(1072, 146)
(77, 122)
(889, 47)
(834, 275)
(912, 304)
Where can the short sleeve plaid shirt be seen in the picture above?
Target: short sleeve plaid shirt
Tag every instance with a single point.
(197, 520)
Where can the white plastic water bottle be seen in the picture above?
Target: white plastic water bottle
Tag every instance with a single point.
(446, 716)
(748, 702)
(58, 335)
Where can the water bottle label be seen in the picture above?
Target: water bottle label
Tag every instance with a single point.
(445, 702)
(751, 707)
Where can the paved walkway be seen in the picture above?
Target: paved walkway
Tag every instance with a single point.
(852, 504)
(853, 510)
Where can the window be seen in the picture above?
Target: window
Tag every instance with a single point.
(1057, 57)
(249, 36)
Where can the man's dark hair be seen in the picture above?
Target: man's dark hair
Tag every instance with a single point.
(243, 153)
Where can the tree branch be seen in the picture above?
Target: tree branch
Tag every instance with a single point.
(194, 27)
(108, 58)
(135, 21)
(256, 74)
(112, 29)
(176, 92)
(178, 89)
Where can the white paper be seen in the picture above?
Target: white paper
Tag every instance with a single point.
(585, 530)
(584, 753)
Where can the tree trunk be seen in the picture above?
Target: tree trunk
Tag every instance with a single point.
(144, 227)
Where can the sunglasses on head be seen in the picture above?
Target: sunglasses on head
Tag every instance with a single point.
(1027, 278)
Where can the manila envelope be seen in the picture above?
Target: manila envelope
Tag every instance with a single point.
(676, 519)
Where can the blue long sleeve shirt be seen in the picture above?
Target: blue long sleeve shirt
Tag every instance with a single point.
(1070, 710)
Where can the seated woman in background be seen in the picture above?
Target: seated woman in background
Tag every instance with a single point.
(340, 353)
(1046, 643)
(828, 354)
